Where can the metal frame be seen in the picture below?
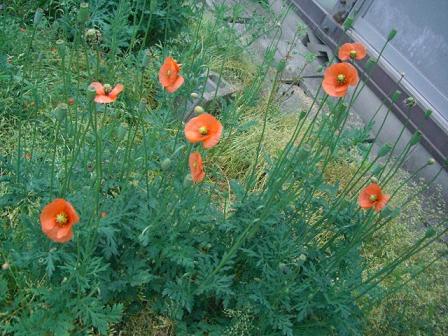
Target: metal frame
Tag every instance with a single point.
(381, 82)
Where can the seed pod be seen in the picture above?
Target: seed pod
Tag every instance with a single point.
(38, 14)
(93, 36)
(83, 14)
(60, 44)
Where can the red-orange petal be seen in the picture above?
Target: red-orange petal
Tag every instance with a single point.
(381, 203)
(103, 99)
(214, 128)
(176, 85)
(196, 167)
(99, 88)
(360, 49)
(116, 91)
(169, 72)
(49, 226)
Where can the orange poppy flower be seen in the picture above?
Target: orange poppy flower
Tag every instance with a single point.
(373, 197)
(338, 77)
(105, 94)
(352, 51)
(204, 128)
(169, 75)
(57, 219)
(196, 167)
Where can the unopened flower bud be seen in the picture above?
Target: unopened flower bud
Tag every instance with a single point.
(302, 257)
(145, 58)
(61, 112)
(373, 179)
(71, 101)
(165, 164)
(5, 266)
(60, 44)
(431, 161)
(194, 95)
(391, 35)
(93, 36)
(428, 113)
(91, 92)
(83, 14)
(198, 109)
(188, 181)
(142, 105)
(38, 16)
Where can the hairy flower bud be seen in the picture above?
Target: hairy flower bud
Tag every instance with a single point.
(198, 109)
(188, 181)
(61, 112)
(38, 16)
(165, 164)
(431, 161)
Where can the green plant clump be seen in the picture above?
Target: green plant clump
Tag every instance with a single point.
(118, 210)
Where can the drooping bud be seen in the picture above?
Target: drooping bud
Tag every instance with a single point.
(142, 105)
(165, 164)
(38, 16)
(396, 95)
(431, 161)
(188, 181)
(416, 137)
(198, 109)
(348, 23)
(194, 95)
(5, 266)
(384, 150)
(83, 14)
(145, 58)
(391, 35)
(373, 179)
(61, 112)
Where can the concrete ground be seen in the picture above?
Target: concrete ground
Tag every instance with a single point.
(301, 63)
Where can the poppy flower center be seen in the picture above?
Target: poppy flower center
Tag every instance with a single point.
(203, 130)
(168, 73)
(353, 53)
(341, 78)
(373, 198)
(62, 218)
(107, 88)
